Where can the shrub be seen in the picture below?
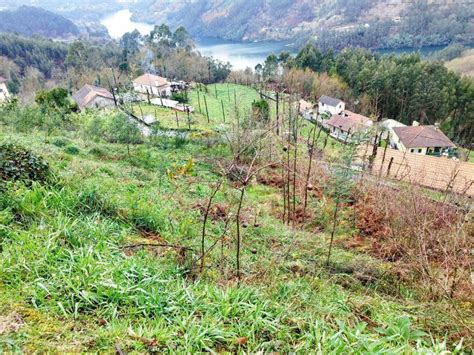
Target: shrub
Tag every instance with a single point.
(71, 149)
(97, 152)
(181, 97)
(60, 142)
(261, 110)
(122, 130)
(19, 164)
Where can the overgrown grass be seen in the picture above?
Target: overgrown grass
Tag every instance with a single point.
(69, 280)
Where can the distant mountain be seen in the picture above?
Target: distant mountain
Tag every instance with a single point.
(372, 23)
(28, 20)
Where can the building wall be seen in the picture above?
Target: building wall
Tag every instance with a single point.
(153, 90)
(101, 102)
(334, 110)
(395, 141)
(3, 92)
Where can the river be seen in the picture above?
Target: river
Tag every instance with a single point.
(240, 54)
(121, 22)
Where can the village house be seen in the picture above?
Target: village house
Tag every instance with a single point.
(424, 140)
(331, 105)
(387, 126)
(4, 94)
(347, 124)
(152, 84)
(306, 109)
(90, 96)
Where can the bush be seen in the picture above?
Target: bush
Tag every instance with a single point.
(97, 152)
(73, 150)
(181, 97)
(19, 164)
(261, 110)
(60, 142)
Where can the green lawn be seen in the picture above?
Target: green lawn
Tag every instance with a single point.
(243, 95)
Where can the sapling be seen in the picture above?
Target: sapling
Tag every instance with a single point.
(341, 188)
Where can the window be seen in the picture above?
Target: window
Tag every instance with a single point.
(412, 150)
(419, 150)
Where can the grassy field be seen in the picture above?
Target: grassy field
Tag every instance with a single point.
(227, 95)
(70, 282)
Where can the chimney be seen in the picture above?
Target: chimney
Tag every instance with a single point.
(415, 124)
(436, 126)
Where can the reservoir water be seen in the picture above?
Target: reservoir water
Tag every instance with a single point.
(240, 54)
(121, 22)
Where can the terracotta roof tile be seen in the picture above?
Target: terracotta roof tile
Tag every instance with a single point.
(423, 136)
(348, 120)
(151, 80)
(88, 92)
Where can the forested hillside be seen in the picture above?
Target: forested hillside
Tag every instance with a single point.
(28, 20)
(338, 23)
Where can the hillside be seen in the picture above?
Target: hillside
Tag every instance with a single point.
(464, 64)
(106, 243)
(28, 20)
(408, 23)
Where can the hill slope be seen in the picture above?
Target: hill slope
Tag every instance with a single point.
(464, 64)
(29, 20)
(284, 19)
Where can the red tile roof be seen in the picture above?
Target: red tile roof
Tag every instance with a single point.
(348, 120)
(151, 80)
(88, 92)
(2, 80)
(423, 136)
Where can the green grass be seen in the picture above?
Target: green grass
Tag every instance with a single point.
(231, 95)
(66, 274)
(244, 96)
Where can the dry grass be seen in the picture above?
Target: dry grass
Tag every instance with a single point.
(463, 65)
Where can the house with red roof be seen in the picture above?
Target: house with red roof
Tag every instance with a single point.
(425, 140)
(90, 96)
(347, 124)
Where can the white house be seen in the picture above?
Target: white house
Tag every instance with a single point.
(152, 84)
(331, 105)
(387, 127)
(90, 96)
(425, 140)
(4, 94)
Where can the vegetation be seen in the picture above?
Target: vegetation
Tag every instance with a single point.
(199, 242)
(34, 63)
(397, 87)
(31, 21)
(464, 64)
(335, 24)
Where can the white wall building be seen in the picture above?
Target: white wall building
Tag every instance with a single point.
(4, 94)
(152, 84)
(424, 140)
(331, 105)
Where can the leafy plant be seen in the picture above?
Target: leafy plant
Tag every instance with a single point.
(72, 149)
(20, 164)
(60, 142)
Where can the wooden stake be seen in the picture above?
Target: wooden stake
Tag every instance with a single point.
(223, 111)
(199, 99)
(207, 110)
